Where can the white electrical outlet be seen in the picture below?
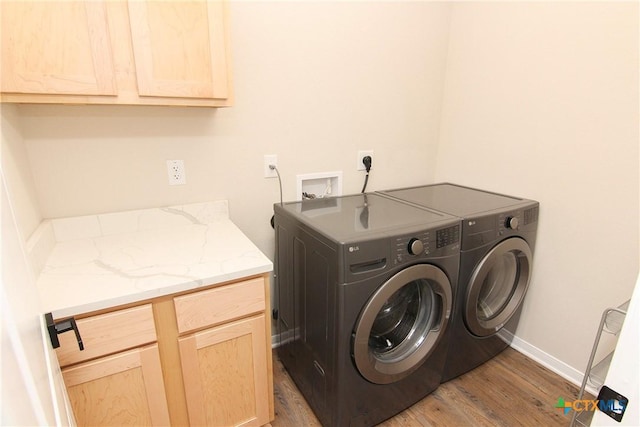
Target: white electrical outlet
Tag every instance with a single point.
(361, 155)
(270, 159)
(175, 169)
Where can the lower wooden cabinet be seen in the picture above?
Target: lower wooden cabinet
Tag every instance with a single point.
(225, 374)
(122, 389)
(201, 358)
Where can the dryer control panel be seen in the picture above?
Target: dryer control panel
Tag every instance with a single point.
(515, 220)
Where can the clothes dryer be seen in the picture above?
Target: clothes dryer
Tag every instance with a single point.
(497, 244)
(365, 288)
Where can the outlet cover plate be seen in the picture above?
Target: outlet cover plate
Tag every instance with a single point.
(361, 155)
(270, 159)
(175, 169)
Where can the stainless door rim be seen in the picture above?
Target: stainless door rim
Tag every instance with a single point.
(522, 252)
(385, 372)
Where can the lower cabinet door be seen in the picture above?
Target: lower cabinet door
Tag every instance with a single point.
(225, 374)
(122, 389)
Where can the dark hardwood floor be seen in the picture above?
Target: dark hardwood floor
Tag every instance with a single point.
(509, 390)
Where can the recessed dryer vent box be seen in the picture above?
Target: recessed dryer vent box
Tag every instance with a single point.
(323, 184)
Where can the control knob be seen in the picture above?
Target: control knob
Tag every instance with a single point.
(511, 222)
(415, 246)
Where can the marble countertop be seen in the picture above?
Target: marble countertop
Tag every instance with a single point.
(95, 262)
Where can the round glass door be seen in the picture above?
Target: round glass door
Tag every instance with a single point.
(497, 286)
(402, 323)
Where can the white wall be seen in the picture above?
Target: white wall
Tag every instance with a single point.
(25, 388)
(17, 171)
(541, 101)
(315, 82)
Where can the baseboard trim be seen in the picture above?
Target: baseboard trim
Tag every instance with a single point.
(555, 365)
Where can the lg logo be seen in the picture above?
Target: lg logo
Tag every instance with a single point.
(354, 248)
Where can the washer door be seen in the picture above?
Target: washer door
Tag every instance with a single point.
(402, 323)
(497, 286)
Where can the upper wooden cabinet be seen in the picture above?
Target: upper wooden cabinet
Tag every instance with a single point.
(52, 48)
(179, 48)
(116, 52)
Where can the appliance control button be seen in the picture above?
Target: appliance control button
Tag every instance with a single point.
(415, 246)
(511, 222)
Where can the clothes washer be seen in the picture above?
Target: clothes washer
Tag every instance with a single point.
(365, 288)
(497, 244)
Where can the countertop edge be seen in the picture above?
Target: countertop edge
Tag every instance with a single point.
(140, 297)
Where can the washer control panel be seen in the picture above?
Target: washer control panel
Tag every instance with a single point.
(428, 242)
(412, 246)
(448, 236)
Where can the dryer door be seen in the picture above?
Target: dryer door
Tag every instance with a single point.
(402, 323)
(497, 286)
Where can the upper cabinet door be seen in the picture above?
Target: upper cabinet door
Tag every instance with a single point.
(180, 48)
(56, 48)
